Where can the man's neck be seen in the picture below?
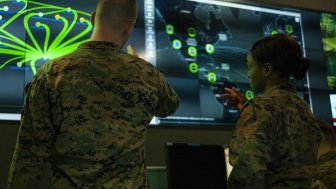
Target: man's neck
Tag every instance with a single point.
(106, 36)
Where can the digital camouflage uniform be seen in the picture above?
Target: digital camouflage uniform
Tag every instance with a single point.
(87, 114)
(326, 171)
(275, 142)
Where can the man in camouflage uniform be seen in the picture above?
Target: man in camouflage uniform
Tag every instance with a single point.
(275, 141)
(86, 113)
(326, 163)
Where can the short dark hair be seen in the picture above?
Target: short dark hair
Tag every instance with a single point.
(283, 52)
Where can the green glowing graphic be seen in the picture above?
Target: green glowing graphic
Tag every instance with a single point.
(192, 32)
(249, 94)
(212, 77)
(170, 29)
(192, 51)
(289, 29)
(328, 28)
(193, 67)
(42, 17)
(210, 49)
(177, 44)
(274, 32)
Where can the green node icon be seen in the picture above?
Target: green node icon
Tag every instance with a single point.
(170, 29)
(192, 32)
(210, 49)
(177, 44)
(289, 29)
(19, 64)
(212, 77)
(193, 67)
(274, 32)
(249, 94)
(192, 51)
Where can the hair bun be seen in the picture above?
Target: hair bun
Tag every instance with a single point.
(301, 70)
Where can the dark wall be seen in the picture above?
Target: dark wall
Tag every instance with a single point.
(8, 133)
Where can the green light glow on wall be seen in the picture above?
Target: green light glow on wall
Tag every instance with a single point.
(39, 16)
(328, 30)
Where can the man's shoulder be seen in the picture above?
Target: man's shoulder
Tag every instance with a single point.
(134, 60)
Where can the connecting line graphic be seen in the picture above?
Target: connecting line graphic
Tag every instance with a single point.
(37, 17)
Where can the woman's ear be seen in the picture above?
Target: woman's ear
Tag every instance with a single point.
(267, 69)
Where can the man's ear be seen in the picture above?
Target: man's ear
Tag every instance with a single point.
(92, 19)
(267, 69)
(128, 29)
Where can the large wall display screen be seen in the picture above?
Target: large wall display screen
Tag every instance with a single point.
(201, 46)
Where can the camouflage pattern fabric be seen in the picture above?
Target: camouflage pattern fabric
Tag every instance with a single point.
(326, 171)
(275, 143)
(86, 113)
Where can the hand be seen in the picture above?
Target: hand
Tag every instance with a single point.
(234, 98)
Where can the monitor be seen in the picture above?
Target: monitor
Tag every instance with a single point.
(195, 166)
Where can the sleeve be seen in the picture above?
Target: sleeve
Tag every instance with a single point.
(168, 99)
(34, 138)
(250, 149)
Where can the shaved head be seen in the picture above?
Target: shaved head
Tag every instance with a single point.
(115, 13)
(114, 20)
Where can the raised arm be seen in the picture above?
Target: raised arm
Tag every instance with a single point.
(250, 150)
(168, 99)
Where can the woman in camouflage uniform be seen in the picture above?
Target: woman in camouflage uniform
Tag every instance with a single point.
(275, 142)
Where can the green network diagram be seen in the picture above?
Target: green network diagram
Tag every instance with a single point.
(50, 32)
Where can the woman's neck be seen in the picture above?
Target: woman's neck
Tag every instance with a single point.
(274, 81)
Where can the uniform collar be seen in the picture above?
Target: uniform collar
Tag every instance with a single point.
(99, 45)
(284, 87)
(270, 90)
